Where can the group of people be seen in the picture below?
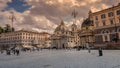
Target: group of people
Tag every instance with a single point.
(100, 52)
(14, 51)
(17, 51)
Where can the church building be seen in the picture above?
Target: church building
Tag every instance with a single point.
(64, 37)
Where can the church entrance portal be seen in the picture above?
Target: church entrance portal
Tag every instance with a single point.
(63, 46)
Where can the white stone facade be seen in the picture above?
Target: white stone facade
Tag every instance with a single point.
(65, 37)
(23, 39)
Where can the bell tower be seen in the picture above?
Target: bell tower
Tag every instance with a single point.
(74, 27)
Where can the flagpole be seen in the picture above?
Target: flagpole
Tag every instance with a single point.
(74, 15)
(12, 18)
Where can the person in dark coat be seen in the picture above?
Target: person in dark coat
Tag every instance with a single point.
(17, 52)
(78, 48)
(1, 51)
(8, 52)
(14, 51)
(100, 52)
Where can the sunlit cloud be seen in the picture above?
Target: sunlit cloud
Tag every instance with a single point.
(44, 15)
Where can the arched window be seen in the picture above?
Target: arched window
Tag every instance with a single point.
(105, 31)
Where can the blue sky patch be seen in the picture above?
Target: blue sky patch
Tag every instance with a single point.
(18, 5)
(69, 19)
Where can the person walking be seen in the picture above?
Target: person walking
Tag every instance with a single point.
(100, 52)
(14, 51)
(8, 52)
(1, 51)
(17, 52)
(88, 47)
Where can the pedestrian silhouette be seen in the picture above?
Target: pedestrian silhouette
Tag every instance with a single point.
(100, 52)
(17, 52)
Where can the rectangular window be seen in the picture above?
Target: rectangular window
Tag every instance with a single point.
(104, 23)
(111, 22)
(118, 12)
(103, 16)
(97, 24)
(96, 18)
(106, 38)
(110, 14)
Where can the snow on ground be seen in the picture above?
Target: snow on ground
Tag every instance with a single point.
(62, 59)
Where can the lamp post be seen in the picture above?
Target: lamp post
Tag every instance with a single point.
(87, 40)
(92, 36)
(115, 27)
(87, 37)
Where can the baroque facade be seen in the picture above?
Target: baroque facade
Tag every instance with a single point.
(64, 37)
(87, 33)
(107, 26)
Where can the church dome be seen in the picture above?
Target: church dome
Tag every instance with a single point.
(61, 27)
(87, 22)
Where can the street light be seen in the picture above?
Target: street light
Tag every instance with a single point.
(87, 37)
(116, 37)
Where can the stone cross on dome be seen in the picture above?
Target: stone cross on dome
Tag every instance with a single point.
(62, 22)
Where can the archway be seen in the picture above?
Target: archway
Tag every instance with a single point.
(63, 46)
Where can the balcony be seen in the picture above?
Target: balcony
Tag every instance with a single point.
(86, 34)
(108, 26)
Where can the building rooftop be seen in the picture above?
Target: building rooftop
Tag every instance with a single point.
(110, 8)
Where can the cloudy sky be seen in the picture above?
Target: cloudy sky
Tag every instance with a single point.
(45, 15)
